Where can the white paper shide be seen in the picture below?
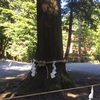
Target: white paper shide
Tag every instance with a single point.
(52, 74)
(91, 94)
(33, 70)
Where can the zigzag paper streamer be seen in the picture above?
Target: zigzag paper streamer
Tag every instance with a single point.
(91, 94)
(33, 70)
(52, 74)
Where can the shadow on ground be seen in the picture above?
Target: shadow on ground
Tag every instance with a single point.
(80, 79)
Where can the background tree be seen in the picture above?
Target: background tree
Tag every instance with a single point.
(81, 12)
(18, 24)
(3, 4)
(70, 30)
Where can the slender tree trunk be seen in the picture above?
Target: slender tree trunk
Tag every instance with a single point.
(70, 31)
(79, 42)
(1, 49)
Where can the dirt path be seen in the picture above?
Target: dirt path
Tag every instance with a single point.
(80, 79)
(90, 68)
(83, 74)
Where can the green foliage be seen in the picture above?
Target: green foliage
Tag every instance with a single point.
(88, 11)
(90, 27)
(19, 28)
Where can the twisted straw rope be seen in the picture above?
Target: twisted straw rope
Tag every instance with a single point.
(43, 64)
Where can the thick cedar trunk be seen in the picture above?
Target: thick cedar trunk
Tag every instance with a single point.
(49, 45)
(49, 48)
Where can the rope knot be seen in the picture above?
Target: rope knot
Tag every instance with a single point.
(41, 63)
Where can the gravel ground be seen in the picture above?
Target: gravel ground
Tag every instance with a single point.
(83, 74)
(9, 68)
(89, 68)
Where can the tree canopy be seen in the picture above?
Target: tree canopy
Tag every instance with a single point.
(86, 12)
(18, 24)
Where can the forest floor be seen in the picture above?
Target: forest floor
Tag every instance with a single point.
(81, 79)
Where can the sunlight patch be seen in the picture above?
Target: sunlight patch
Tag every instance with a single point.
(19, 68)
(72, 95)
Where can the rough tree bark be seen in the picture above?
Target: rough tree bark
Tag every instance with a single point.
(49, 48)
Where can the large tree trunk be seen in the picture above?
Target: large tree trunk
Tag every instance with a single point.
(49, 45)
(49, 48)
